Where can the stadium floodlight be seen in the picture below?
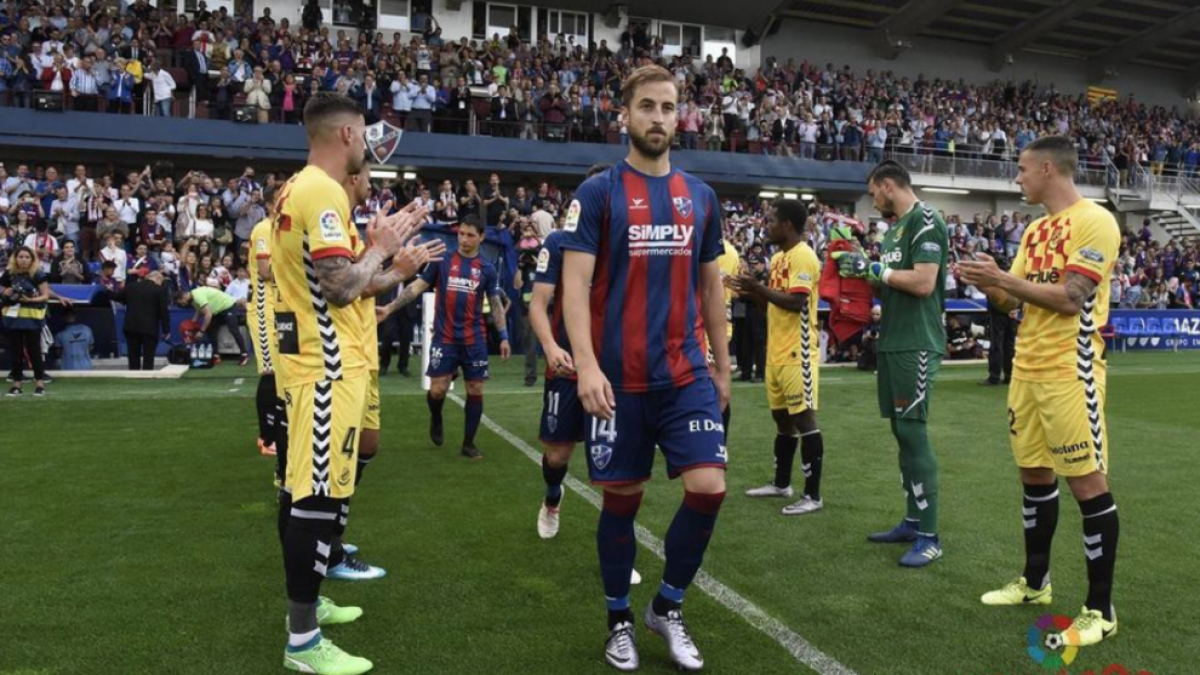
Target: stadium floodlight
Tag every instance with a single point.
(946, 191)
(767, 194)
(790, 195)
(383, 172)
(807, 196)
(410, 175)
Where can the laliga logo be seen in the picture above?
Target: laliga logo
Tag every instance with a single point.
(1045, 650)
(1053, 644)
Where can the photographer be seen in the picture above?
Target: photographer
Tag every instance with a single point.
(24, 290)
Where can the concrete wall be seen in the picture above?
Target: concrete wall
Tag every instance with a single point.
(826, 43)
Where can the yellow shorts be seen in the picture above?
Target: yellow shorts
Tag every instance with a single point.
(1058, 425)
(795, 388)
(324, 419)
(371, 416)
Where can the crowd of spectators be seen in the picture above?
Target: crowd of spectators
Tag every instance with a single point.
(554, 88)
(195, 228)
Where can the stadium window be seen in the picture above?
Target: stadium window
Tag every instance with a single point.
(393, 15)
(567, 23)
(500, 18)
(189, 6)
(678, 37)
(716, 39)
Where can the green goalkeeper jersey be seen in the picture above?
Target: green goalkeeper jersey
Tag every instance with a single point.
(911, 323)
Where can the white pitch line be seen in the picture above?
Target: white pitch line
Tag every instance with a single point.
(238, 382)
(800, 649)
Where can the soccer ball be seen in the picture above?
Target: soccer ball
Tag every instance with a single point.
(1054, 641)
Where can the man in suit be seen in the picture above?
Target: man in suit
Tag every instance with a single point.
(196, 65)
(370, 97)
(147, 316)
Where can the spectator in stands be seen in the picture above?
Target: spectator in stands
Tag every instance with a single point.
(147, 317)
(69, 268)
(114, 252)
(111, 223)
(43, 244)
(7, 244)
(74, 342)
(495, 202)
(215, 308)
(504, 114)
(370, 97)
(120, 88)
(460, 99)
(163, 88)
(64, 213)
(85, 89)
(21, 81)
(258, 94)
(422, 96)
(24, 291)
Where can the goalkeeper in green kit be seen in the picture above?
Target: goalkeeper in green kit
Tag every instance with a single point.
(910, 281)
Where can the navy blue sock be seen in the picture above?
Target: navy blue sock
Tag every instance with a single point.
(435, 405)
(687, 539)
(554, 478)
(474, 414)
(363, 463)
(616, 543)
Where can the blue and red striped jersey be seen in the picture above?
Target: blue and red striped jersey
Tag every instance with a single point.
(461, 284)
(649, 235)
(549, 271)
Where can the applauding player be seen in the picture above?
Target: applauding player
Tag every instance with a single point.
(793, 354)
(459, 330)
(1061, 275)
(641, 287)
(322, 349)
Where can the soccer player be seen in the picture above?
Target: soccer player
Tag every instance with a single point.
(260, 321)
(910, 281)
(793, 354)
(641, 290)
(1061, 276)
(323, 352)
(729, 263)
(459, 329)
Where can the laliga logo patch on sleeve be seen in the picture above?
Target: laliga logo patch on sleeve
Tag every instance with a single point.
(573, 212)
(543, 261)
(331, 226)
(1092, 255)
(261, 245)
(931, 247)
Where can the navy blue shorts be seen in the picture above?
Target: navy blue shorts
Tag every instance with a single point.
(446, 359)
(563, 418)
(684, 422)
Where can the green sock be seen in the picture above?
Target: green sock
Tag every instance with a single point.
(920, 474)
(911, 511)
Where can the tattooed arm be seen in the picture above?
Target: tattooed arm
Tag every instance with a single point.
(343, 280)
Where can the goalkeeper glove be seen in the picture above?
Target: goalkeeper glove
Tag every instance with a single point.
(853, 264)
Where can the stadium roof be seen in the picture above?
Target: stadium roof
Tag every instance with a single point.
(1161, 34)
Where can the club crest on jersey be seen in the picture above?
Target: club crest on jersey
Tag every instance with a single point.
(573, 211)
(601, 456)
(552, 423)
(543, 261)
(474, 272)
(683, 205)
(331, 226)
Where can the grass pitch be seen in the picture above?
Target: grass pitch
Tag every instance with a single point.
(138, 530)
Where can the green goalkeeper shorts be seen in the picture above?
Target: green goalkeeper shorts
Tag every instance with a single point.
(905, 382)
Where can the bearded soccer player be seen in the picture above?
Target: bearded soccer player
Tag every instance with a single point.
(793, 354)
(459, 337)
(641, 291)
(1061, 277)
(910, 281)
(323, 352)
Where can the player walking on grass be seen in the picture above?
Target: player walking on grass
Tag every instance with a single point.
(910, 281)
(1061, 275)
(462, 280)
(641, 289)
(793, 354)
(322, 349)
